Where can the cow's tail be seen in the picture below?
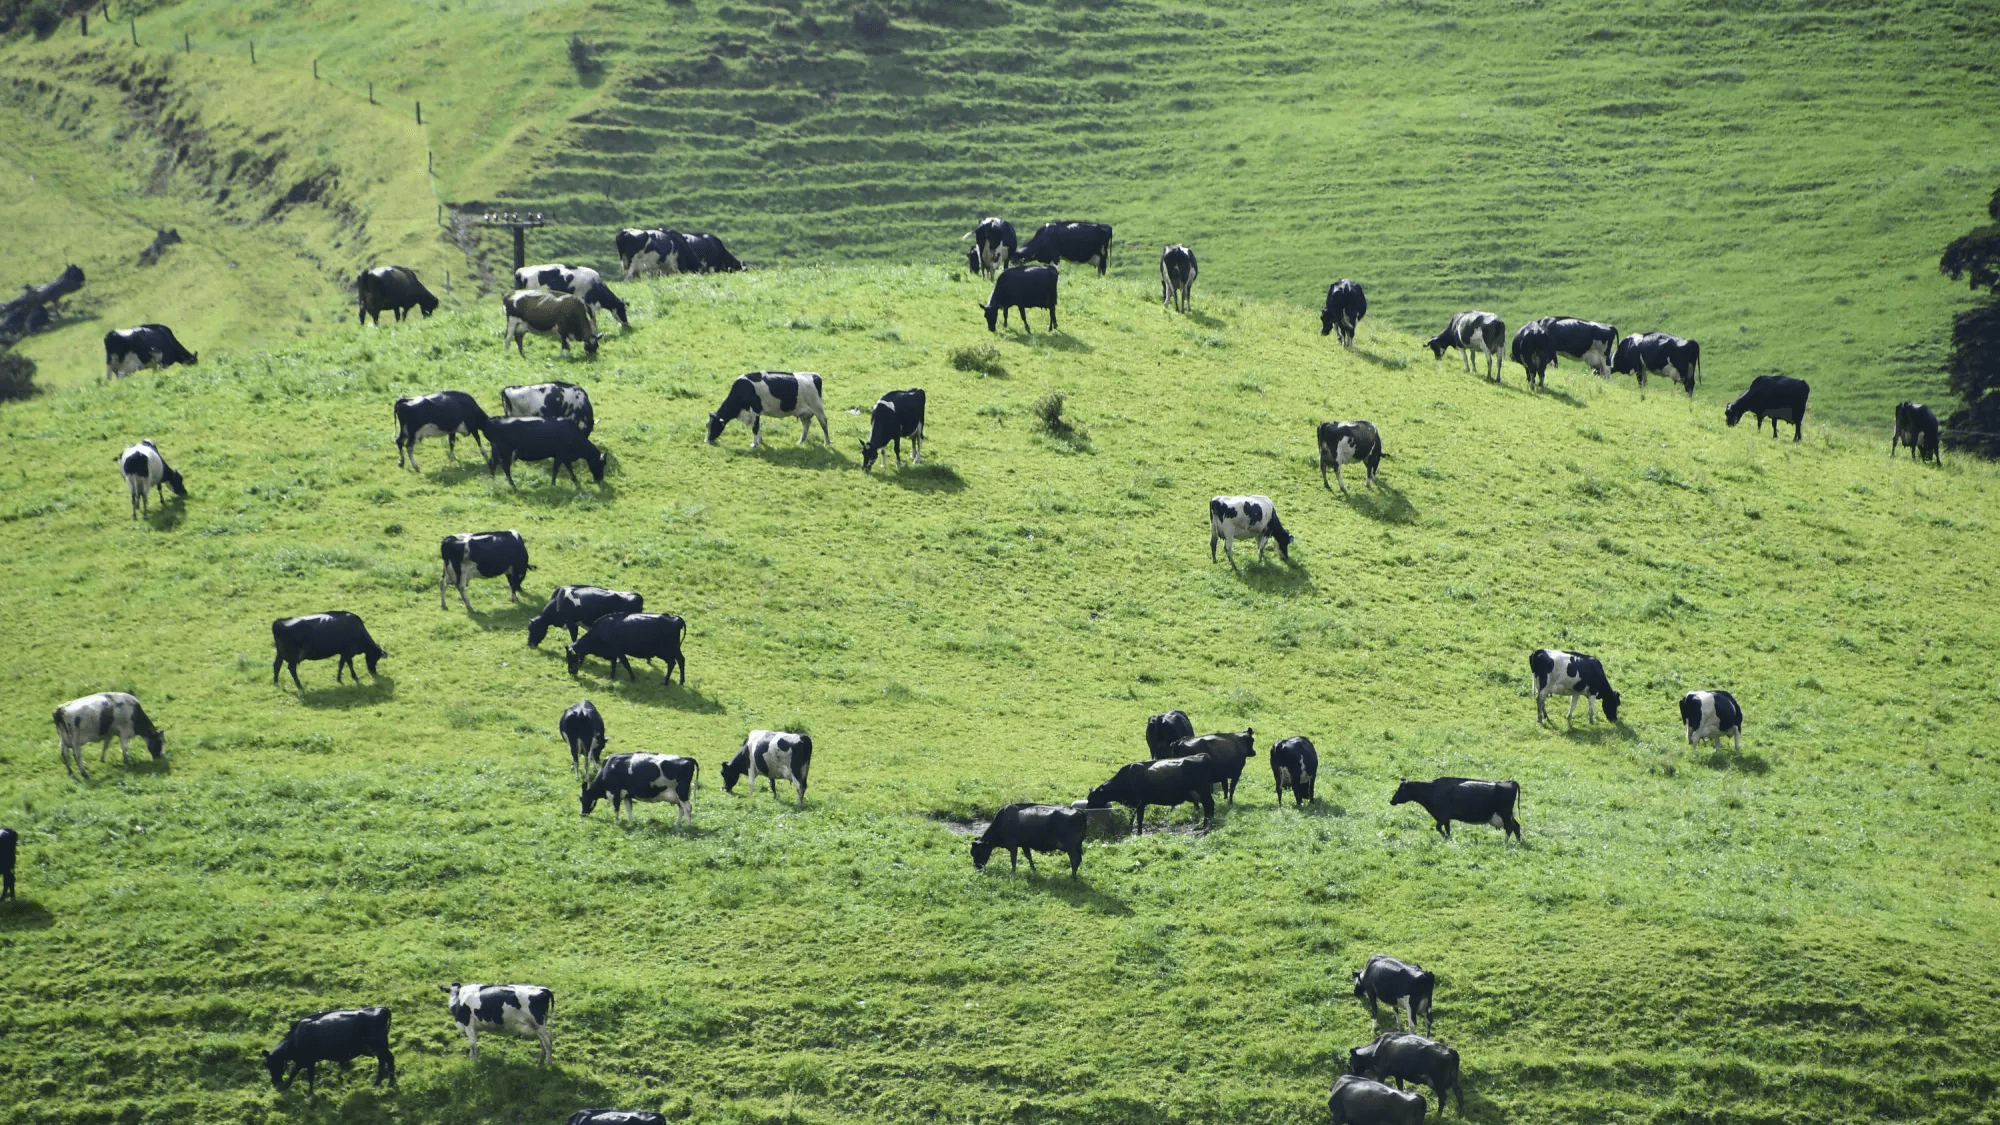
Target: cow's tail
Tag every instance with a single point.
(695, 782)
(968, 234)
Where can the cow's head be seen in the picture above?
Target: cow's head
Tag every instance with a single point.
(1249, 737)
(156, 743)
(1360, 1061)
(590, 341)
(992, 312)
(981, 852)
(1406, 792)
(172, 479)
(870, 452)
(1438, 344)
(575, 661)
(716, 423)
(1733, 413)
(1610, 701)
(592, 793)
(1359, 988)
(276, 1061)
(733, 770)
(1326, 319)
(538, 627)
(1625, 359)
(373, 653)
(1099, 798)
(593, 457)
(972, 259)
(427, 301)
(1283, 537)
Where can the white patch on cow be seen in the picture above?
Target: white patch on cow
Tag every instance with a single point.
(1343, 453)
(1284, 777)
(1597, 358)
(130, 362)
(1496, 821)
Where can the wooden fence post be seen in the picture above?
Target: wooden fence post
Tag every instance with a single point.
(83, 22)
(187, 43)
(315, 70)
(371, 93)
(420, 113)
(253, 52)
(134, 22)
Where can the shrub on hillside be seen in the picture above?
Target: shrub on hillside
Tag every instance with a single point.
(871, 21)
(583, 57)
(1061, 432)
(17, 377)
(1974, 367)
(983, 359)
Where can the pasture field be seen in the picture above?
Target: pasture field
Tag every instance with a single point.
(1802, 932)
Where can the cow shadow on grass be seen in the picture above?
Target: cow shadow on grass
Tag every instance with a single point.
(1077, 891)
(1052, 341)
(563, 494)
(809, 456)
(341, 696)
(24, 914)
(671, 694)
(454, 472)
(1377, 359)
(1317, 807)
(1597, 734)
(1564, 397)
(1726, 760)
(1205, 320)
(1384, 504)
(931, 476)
(1273, 577)
(502, 1085)
(168, 516)
(513, 616)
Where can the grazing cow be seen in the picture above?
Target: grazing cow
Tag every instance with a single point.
(653, 251)
(580, 280)
(541, 439)
(145, 470)
(1294, 765)
(395, 288)
(1031, 829)
(1406, 988)
(571, 607)
(621, 636)
(1643, 353)
(774, 754)
(339, 1037)
(1458, 798)
(1166, 781)
(1364, 1101)
(150, 345)
(1024, 288)
(1712, 714)
(897, 415)
(317, 636)
(519, 1009)
(1585, 341)
(562, 315)
(1343, 443)
(1165, 729)
(444, 414)
(566, 401)
(630, 778)
(9, 841)
(485, 554)
(1575, 673)
(992, 246)
(794, 394)
(1780, 398)
(1535, 352)
(1228, 751)
(1064, 241)
(707, 254)
(615, 1117)
(1238, 517)
(1916, 427)
(1177, 274)
(96, 718)
(1346, 304)
(583, 728)
(1470, 332)
(1408, 1057)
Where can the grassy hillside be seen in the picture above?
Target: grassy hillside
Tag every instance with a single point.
(1801, 932)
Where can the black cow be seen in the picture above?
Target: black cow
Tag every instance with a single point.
(541, 439)
(653, 251)
(621, 636)
(150, 345)
(1024, 288)
(1364, 1101)
(708, 255)
(1165, 729)
(484, 554)
(395, 288)
(579, 280)
(1406, 988)
(1470, 332)
(1535, 352)
(339, 1037)
(445, 414)
(558, 399)
(1575, 673)
(1343, 443)
(794, 394)
(1346, 304)
(1228, 751)
(9, 841)
(318, 636)
(1408, 1057)
(776, 755)
(630, 778)
(1065, 241)
(583, 729)
(1167, 781)
(520, 1009)
(1457, 798)
(1643, 353)
(1712, 714)
(615, 1117)
(146, 471)
(1031, 829)
(1585, 341)
(1177, 274)
(897, 415)
(1294, 766)
(1916, 427)
(1780, 398)
(573, 607)
(972, 259)
(992, 247)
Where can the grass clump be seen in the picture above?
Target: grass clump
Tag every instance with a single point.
(980, 359)
(17, 377)
(1061, 433)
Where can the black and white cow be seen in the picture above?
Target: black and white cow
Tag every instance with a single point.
(1066, 241)
(1407, 989)
(707, 254)
(615, 1117)
(1470, 332)
(619, 637)
(318, 636)
(897, 415)
(1227, 750)
(562, 315)
(1406, 1056)
(774, 754)
(150, 345)
(483, 554)
(1712, 714)
(1585, 341)
(1643, 353)
(1364, 1101)
(566, 401)
(972, 259)
(146, 471)
(993, 246)
(394, 288)
(574, 607)
(1023, 288)
(542, 439)
(444, 414)
(627, 779)
(1916, 427)
(1343, 443)
(97, 718)
(1165, 729)
(1464, 799)
(1238, 517)
(791, 394)
(583, 729)
(1294, 766)
(652, 251)
(579, 280)
(1576, 674)
(1535, 351)
(1165, 781)
(1780, 398)
(10, 841)
(517, 1009)
(339, 1037)
(1031, 829)
(1346, 304)
(1177, 273)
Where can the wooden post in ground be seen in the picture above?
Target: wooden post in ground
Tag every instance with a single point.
(83, 22)
(253, 52)
(371, 93)
(420, 113)
(134, 21)
(187, 43)
(315, 70)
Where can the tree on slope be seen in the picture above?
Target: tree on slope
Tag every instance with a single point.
(1975, 339)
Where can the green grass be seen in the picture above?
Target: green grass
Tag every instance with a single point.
(1804, 932)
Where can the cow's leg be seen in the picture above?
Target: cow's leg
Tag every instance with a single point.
(1139, 821)
(125, 747)
(472, 1033)
(1571, 717)
(104, 749)
(805, 428)
(1590, 708)
(1541, 704)
(462, 578)
(1229, 548)
(1336, 476)
(1443, 826)
(1032, 869)
(756, 430)
(917, 447)
(293, 668)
